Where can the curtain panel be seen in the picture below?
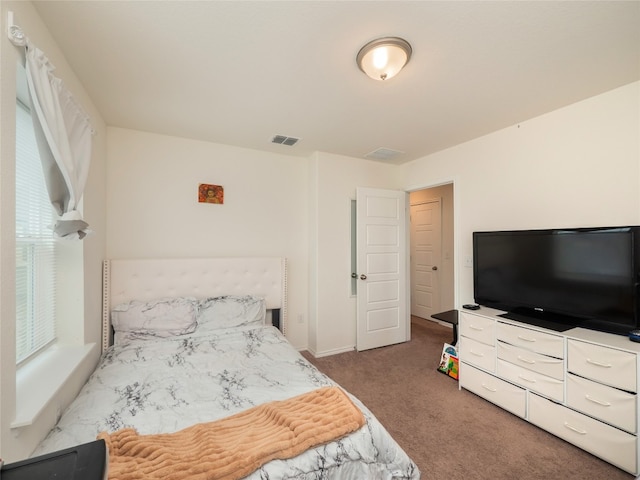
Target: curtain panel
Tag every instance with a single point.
(63, 134)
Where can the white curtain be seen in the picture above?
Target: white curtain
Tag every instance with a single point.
(63, 133)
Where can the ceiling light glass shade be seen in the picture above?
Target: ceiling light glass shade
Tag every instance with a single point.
(383, 58)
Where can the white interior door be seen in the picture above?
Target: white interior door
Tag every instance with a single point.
(426, 248)
(383, 293)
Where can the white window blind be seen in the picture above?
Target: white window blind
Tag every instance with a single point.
(35, 246)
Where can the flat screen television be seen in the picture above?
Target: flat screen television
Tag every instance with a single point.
(561, 278)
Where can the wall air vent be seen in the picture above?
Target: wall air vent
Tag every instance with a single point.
(285, 140)
(383, 154)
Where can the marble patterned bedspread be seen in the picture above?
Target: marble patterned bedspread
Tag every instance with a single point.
(165, 385)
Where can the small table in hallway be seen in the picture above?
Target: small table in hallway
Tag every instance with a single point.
(450, 316)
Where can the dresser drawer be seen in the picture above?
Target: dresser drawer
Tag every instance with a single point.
(608, 404)
(478, 354)
(609, 443)
(540, 342)
(547, 386)
(602, 364)
(479, 328)
(504, 394)
(552, 367)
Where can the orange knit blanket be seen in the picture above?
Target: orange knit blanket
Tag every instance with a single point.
(233, 447)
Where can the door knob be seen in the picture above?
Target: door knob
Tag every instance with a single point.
(434, 268)
(363, 277)
(354, 275)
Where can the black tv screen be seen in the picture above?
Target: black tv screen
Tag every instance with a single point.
(560, 278)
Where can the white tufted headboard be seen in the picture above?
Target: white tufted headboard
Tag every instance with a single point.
(154, 278)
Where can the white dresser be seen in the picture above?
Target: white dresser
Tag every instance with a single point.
(580, 385)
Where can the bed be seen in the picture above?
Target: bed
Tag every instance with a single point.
(159, 373)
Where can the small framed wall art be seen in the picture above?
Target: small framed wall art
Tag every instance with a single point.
(210, 193)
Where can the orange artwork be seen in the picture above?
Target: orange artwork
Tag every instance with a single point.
(210, 193)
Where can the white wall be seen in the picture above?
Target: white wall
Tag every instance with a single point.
(274, 205)
(573, 167)
(85, 300)
(153, 208)
(333, 309)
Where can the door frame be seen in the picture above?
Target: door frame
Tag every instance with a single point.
(457, 257)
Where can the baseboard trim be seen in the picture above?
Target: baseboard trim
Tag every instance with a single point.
(327, 353)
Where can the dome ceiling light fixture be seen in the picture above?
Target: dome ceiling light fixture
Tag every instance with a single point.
(383, 58)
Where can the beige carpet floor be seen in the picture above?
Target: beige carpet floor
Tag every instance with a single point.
(450, 433)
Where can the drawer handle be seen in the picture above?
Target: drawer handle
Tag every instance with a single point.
(526, 360)
(577, 430)
(599, 402)
(598, 364)
(527, 339)
(550, 360)
(530, 380)
(473, 327)
(477, 354)
(491, 389)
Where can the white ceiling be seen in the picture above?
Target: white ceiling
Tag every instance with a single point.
(240, 72)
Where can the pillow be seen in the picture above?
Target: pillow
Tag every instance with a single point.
(231, 311)
(166, 317)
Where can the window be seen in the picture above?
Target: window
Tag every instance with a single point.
(35, 245)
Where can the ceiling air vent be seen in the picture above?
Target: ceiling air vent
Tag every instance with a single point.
(284, 140)
(383, 154)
